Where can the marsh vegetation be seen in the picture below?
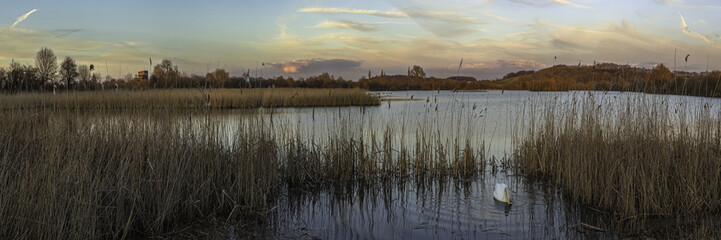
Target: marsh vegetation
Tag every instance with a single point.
(652, 163)
(127, 168)
(190, 99)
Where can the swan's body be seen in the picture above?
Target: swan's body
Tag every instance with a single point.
(501, 193)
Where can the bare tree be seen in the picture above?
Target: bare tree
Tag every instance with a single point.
(84, 77)
(15, 76)
(418, 72)
(84, 73)
(165, 73)
(69, 71)
(46, 64)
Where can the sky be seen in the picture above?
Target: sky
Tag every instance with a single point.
(299, 38)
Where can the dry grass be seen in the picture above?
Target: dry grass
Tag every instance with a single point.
(634, 157)
(67, 172)
(66, 176)
(191, 98)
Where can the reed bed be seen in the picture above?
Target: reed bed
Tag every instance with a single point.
(645, 159)
(74, 173)
(191, 98)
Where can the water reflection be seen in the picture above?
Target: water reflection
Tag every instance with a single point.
(438, 207)
(447, 208)
(443, 208)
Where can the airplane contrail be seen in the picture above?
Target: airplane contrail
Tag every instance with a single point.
(693, 34)
(21, 18)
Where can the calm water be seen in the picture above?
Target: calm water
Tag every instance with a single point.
(442, 208)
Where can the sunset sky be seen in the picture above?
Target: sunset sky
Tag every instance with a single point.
(349, 38)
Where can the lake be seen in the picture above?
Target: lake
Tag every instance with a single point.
(444, 207)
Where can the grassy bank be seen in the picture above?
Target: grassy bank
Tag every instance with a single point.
(156, 172)
(191, 98)
(634, 158)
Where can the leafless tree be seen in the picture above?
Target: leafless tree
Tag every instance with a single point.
(68, 71)
(84, 73)
(418, 72)
(128, 77)
(84, 77)
(46, 64)
(165, 74)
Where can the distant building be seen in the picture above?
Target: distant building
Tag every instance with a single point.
(142, 76)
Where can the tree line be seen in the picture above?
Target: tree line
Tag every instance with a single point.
(47, 75)
(613, 77)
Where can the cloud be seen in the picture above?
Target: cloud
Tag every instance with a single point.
(568, 3)
(439, 23)
(547, 3)
(505, 64)
(532, 3)
(347, 24)
(445, 24)
(691, 33)
(377, 13)
(450, 17)
(406, 12)
(22, 44)
(64, 32)
(22, 18)
(316, 65)
(688, 5)
(665, 2)
(492, 15)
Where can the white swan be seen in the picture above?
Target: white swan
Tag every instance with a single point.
(501, 193)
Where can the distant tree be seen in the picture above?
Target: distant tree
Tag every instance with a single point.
(3, 79)
(84, 73)
(84, 77)
(221, 77)
(15, 76)
(128, 77)
(418, 72)
(69, 71)
(660, 73)
(46, 65)
(95, 78)
(165, 74)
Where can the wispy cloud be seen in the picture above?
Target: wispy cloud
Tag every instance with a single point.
(22, 18)
(347, 24)
(705, 5)
(22, 44)
(406, 12)
(377, 13)
(451, 17)
(532, 3)
(440, 23)
(569, 3)
(315, 65)
(513, 64)
(691, 33)
(492, 15)
(666, 2)
(64, 32)
(546, 3)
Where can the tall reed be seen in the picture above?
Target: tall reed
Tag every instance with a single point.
(191, 98)
(639, 158)
(148, 172)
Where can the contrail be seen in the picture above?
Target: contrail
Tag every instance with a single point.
(21, 18)
(693, 34)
